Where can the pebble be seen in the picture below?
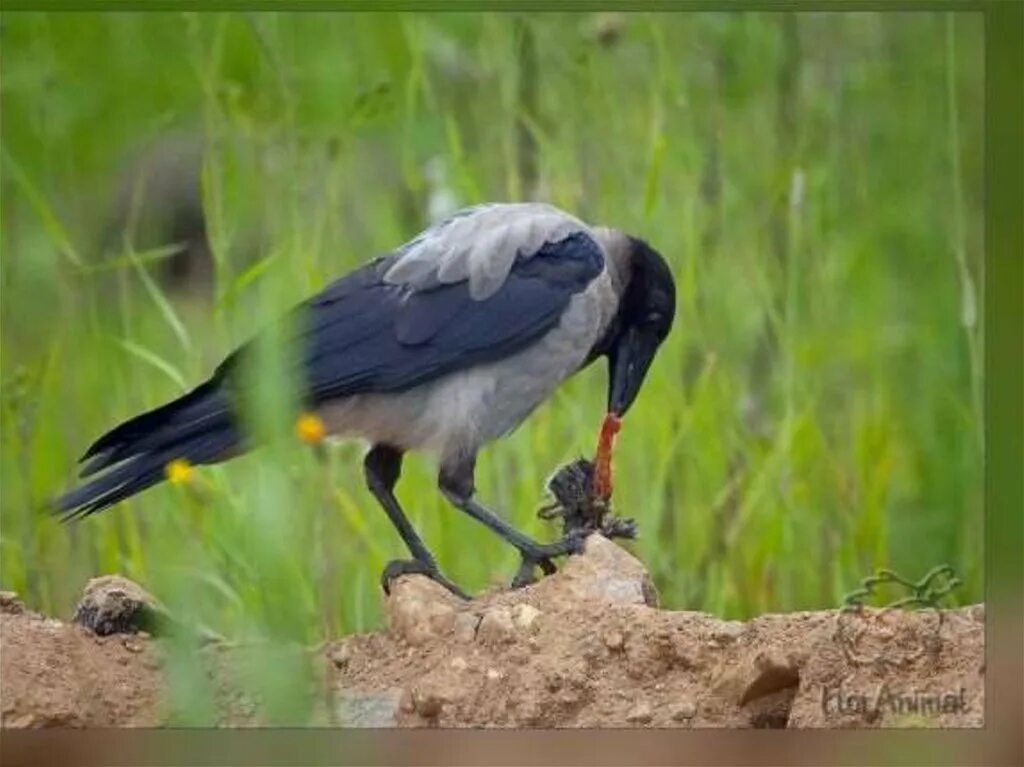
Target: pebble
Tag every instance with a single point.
(419, 622)
(525, 616)
(684, 709)
(728, 632)
(640, 714)
(496, 627)
(340, 655)
(614, 640)
(465, 627)
(406, 702)
(9, 603)
(114, 605)
(428, 704)
(369, 709)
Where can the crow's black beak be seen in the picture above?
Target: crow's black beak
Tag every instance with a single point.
(628, 362)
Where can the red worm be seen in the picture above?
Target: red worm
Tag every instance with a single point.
(603, 470)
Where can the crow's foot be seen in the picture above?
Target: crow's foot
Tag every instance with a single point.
(541, 554)
(398, 567)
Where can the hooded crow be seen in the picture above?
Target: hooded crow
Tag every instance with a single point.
(442, 346)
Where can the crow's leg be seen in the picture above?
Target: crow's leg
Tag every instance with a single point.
(383, 465)
(456, 481)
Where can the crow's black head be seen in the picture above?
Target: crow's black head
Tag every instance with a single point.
(646, 311)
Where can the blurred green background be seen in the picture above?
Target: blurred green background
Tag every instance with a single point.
(171, 182)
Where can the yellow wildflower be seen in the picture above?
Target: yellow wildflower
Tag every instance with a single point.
(310, 429)
(178, 471)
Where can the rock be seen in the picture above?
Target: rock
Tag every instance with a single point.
(496, 627)
(112, 604)
(458, 663)
(729, 632)
(377, 709)
(406, 702)
(524, 616)
(466, 625)
(428, 701)
(640, 714)
(340, 655)
(614, 640)
(419, 610)
(10, 604)
(609, 573)
(683, 710)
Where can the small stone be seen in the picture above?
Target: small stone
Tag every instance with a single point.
(614, 640)
(525, 616)
(459, 663)
(340, 655)
(608, 573)
(427, 702)
(496, 627)
(684, 709)
(640, 714)
(419, 610)
(10, 604)
(369, 709)
(465, 627)
(21, 722)
(728, 632)
(112, 604)
(406, 702)
(493, 674)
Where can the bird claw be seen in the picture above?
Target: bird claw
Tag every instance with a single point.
(541, 556)
(399, 567)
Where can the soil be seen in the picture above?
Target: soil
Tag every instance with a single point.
(586, 647)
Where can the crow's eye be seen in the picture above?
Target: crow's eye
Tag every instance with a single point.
(657, 321)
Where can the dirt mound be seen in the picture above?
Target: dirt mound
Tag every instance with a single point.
(587, 647)
(55, 674)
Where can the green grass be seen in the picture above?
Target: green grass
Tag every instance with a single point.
(815, 182)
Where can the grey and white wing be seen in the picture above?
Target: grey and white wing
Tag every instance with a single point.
(479, 245)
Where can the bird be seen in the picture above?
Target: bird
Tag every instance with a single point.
(441, 346)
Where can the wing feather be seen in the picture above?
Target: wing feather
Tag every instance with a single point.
(380, 337)
(480, 245)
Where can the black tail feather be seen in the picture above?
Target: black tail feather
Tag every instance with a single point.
(147, 430)
(197, 427)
